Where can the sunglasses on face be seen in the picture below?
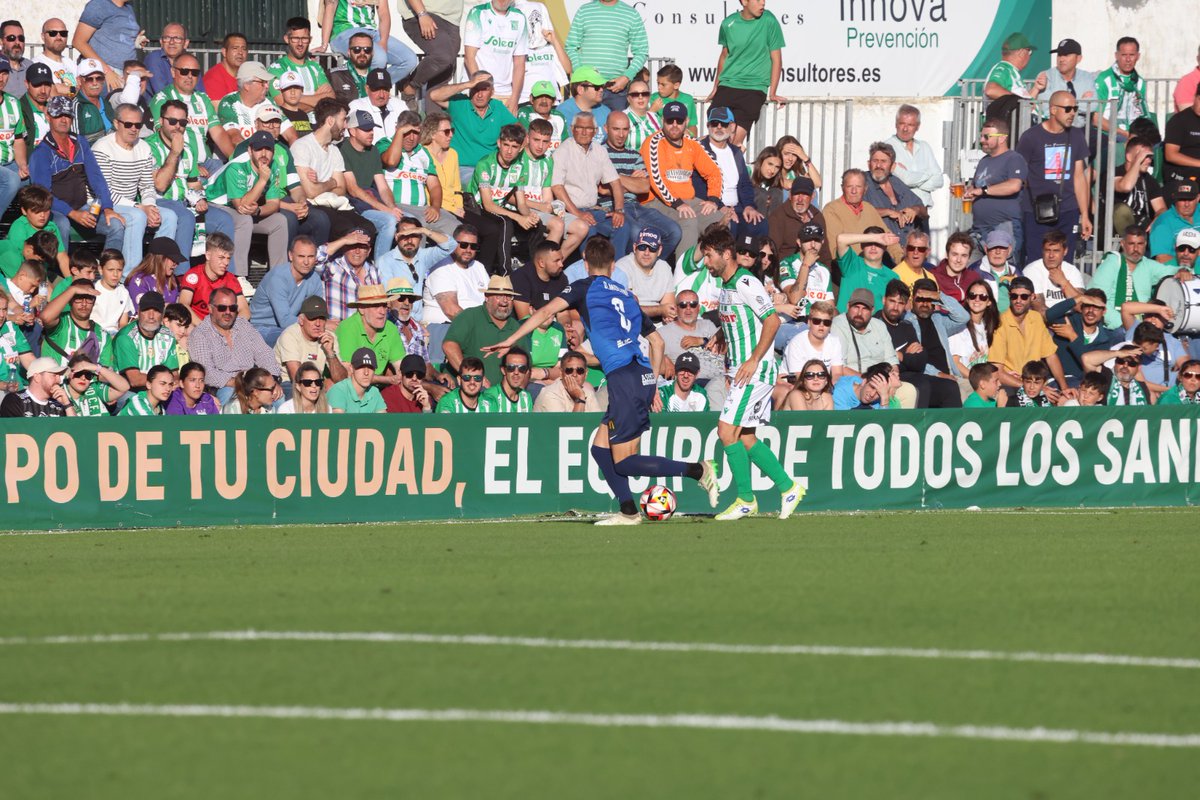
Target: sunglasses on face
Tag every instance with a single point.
(925, 299)
(1019, 296)
(812, 376)
(472, 378)
(188, 72)
(715, 124)
(1069, 109)
(362, 49)
(59, 34)
(18, 37)
(645, 248)
(412, 373)
(590, 86)
(309, 382)
(469, 245)
(689, 304)
(820, 322)
(1127, 362)
(447, 131)
(1183, 248)
(174, 120)
(129, 125)
(674, 122)
(84, 373)
(913, 249)
(521, 368)
(92, 78)
(976, 296)
(1190, 375)
(575, 370)
(226, 309)
(744, 252)
(270, 388)
(639, 94)
(403, 299)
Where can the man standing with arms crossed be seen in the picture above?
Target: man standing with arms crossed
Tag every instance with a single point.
(614, 322)
(749, 322)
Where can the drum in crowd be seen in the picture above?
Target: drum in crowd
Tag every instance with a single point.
(1182, 297)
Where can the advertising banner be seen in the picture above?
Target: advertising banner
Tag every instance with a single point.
(851, 48)
(174, 471)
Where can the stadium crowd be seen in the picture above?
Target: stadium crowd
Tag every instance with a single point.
(412, 215)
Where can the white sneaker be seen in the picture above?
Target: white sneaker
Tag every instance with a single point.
(621, 519)
(708, 482)
(791, 499)
(739, 509)
(247, 286)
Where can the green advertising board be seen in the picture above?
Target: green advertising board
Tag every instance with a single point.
(176, 471)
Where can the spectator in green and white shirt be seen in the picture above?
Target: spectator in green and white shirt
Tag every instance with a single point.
(541, 106)
(1005, 77)
(160, 382)
(1121, 82)
(409, 182)
(144, 343)
(316, 86)
(464, 399)
(15, 353)
(239, 110)
(92, 388)
(343, 20)
(496, 40)
(14, 153)
(510, 395)
(202, 116)
(68, 328)
(683, 393)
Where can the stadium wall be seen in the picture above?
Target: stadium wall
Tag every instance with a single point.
(199, 471)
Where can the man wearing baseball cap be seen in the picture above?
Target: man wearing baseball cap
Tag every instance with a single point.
(1005, 77)
(309, 339)
(737, 191)
(384, 107)
(1182, 214)
(145, 343)
(804, 277)
(683, 393)
(650, 278)
(356, 394)
(785, 222)
(409, 396)
(587, 91)
(542, 97)
(1067, 77)
(94, 114)
(255, 205)
(238, 112)
(45, 395)
(38, 89)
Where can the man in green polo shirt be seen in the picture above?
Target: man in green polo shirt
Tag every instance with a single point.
(144, 343)
(368, 327)
(476, 116)
(475, 328)
(316, 86)
(73, 331)
(203, 122)
(356, 395)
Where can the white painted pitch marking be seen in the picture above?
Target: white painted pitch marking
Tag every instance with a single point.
(690, 721)
(482, 640)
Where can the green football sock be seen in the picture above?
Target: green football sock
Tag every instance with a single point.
(739, 464)
(766, 461)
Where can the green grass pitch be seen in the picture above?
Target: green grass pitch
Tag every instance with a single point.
(1114, 583)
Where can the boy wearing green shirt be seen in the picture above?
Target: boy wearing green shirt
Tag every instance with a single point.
(985, 380)
(670, 77)
(34, 202)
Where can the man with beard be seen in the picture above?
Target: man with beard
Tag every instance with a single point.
(464, 399)
(902, 211)
(1022, 337)
(737, 192)
(635, 182)
(1077, 325)
(53, 55)
(997, 186)
(936, 317)
(539, 282)
(412, 261)
(12, 49)
(144, 343)
(297, 37)
(33, 102)
(253, 185)
(482, 326)
(349, 81)
(785, 223)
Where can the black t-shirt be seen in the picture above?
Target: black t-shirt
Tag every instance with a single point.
(1183, 129)
(932, 345)
(1145, 191)
(20, 404)
(1052, 158)
(299, 119)
(533, 290)
(903, 334)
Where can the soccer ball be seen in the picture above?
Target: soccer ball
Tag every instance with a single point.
(658, 503)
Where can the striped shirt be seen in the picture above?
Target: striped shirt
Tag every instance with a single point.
(201, 117)
(235, 115)
(12, 344)
(452, 403)
(409, 177)
(354, 14)
(696, 400)
(610, 38)
(526, 115)
(537, 176)
(139, 406)
(626, 162)
(135, 351)
(641, 128)
(185, 170)
(128, 173)
(495, 401)
(499, 38)
(744, 304)
(69, 338)
(11, 126)
(310, 73)
(496, 179)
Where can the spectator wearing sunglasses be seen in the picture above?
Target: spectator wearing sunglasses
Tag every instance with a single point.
(488, 324)
(1162, 352)
(737, 190)
(12, 50)
(691, 333)
(997, 186)
(1077, 325)
(453, 285)
(510, 394)
(227, 345)
(91, 388)
(203, 122)
(1187, 390)
(55, 38)
(1022, 337)
(308, 393)
(915, 264)
(650, 278)
(571, 390)
(464, 399)
(1129, 385)
(409, 396)
(813, 388)
(255, 391)
(358, 394)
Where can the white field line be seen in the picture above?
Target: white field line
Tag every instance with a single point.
(688, 721)
(481, 640)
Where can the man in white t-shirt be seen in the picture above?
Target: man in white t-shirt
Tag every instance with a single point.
(650, 277)
(62, 65)
(496, 40)
(457, 284)
(815, 342)
(1054, 279)
(546, 57)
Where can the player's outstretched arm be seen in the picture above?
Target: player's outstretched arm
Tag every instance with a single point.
(551, 309)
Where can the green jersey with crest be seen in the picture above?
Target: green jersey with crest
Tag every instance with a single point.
(744, 305)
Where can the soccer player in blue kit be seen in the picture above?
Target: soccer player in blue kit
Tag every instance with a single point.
(614, 321)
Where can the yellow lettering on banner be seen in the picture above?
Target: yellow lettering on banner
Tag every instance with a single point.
(401, 471)
(336, 487)
(195, 441)
(143, 441)
(306, 463)
(437, 439)
(280, 437)
(368, 439)
(112, 488)
(16, 444)
(61, 441)
(230, 491)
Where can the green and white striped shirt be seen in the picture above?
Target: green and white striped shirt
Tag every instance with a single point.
(310, 72)
(744, 304)
(354, 14)
(235, 115)
(409, 177)
(499, 38)
(139, 406)
(497, 179)
(185, 170)
(610, 38)
(526, 115)
(538, 172)
(696, 400)
(11, 126)
(452, 403)
(135, 351)
(641, 129)
(202, 116)
(12, 344)
(70, 337)
(495, 401)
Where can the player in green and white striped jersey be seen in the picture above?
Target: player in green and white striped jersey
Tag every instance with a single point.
(749, 323)
(510, 395)
(202, 116)
(691, 276)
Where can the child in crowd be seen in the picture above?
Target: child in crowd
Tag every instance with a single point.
(1093, 390)
(114, 307)
(1032, 391)
(82, 264)
(34, 202)
(985, 380)
(25, 298)
(670, 77)
(178, 320)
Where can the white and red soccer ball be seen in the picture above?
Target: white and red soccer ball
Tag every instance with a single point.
(658, 503)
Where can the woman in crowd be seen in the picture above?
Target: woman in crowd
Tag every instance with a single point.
(796, 162)
(643, 123)
(436, 133)
(255, 392)
(970, 346)
(814, 389)
(92, 397)
(189, 397)
(308, 392)
(156, 273)
(160, 382)
(769, 193)
(178, 320)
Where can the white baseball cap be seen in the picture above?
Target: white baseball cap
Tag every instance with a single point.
(1189, 237)
(89, 66)
(45, 364)
(289, 79)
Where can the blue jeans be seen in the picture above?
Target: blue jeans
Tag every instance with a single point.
(641, 217)
(185, 227)
(218, 219)
(617, 101)
(385, 229)
(397, 59)
(620, 237)
(10, 184)
(113, 233)
(136, 223)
